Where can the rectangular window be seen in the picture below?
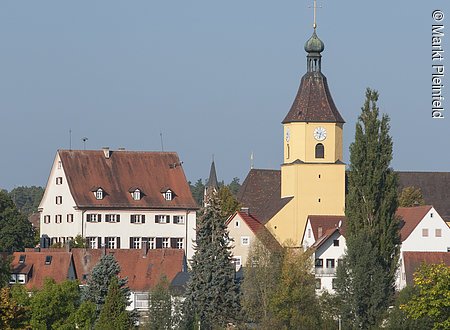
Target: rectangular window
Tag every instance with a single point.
(318, 284)
(330, 263)
(425, 232)
(111, 242)
(137, 218)
(70, 218)
(22, 259)
(340, 262)
(319, 263)
(165, 243)
(237, 262)
(112, 218)
(438, 232)
(336, 242)
(59, 180)
(46, 219)
(245, 240)
(13, 279)
(168, 195)
(236, 224)
(135, 243)
(162, 218)
(92, 242)
(309, 233)
(141, 300)
(151, 243)
(48, 260)
(178, 219)
(58, 200)
(59, 164)
(179, 243)
(58, 218)
(93, 217)
(21, 278)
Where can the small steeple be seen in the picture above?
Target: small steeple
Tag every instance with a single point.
(212, 186)
(314, 46)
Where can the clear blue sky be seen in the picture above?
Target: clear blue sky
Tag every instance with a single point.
(213, 77)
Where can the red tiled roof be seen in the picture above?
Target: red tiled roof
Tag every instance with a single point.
(261, 193)
(328, 233)
(148, 171)
(36, 269)
(326, 222)
(411, 217)
(143, 271)
(413, 260)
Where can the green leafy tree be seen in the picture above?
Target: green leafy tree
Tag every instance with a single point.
(234, 186)
(295, 305)
(98, 283)
(212, 295)
(5, 263)
(27, 199)
(16, 231)
(160, 306)
(53, 305)
(114, 314)
(431, 298)
(12, 314)
(198, 190)
(365, 280)
(410, 196)
(78, 242)
(262, 275)
(228, 203)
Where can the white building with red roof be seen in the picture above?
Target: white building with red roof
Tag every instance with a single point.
(119, 199)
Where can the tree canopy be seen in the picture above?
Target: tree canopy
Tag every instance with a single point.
(410, 196)
(27, 199)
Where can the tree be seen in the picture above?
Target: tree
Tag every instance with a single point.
(261, 277)
(53, 305)
(84, 317)
(295, 305)
(212, 295)
(78, 242)
(234, 186)
(12, 314)
(410, 196)
(16, 231)
(432, 296)
(160, 306)
(197, 191)
(27, 199)
(366, 279)
(114, 314)
(98, 283)
(228, 203)
(5, 274)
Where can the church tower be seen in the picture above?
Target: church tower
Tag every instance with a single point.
(212, 186)
(313, 172)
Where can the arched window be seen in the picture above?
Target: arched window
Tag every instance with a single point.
(99, 193)
(136, 195)
(320, 150)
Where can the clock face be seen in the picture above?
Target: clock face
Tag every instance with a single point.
(320, 133)
(288, 135)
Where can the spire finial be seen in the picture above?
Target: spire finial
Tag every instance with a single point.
(315, 8)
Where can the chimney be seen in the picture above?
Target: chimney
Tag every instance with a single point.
(144, 249)
(245, 210)
(107, 152)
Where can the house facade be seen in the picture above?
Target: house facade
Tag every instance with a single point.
(119, 199)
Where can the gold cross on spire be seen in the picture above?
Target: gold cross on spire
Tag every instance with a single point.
(314, 11)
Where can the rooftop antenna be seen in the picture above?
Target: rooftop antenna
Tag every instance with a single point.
(70, 139)
(251, 161)
(162, 144)
(84, 142)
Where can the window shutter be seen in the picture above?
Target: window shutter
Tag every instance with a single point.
(107, 218)
(99, 217)
(132, 218)
(131, 242)
(88, 218)
(159, 242)
(99, 242)
(173, 243)
(118, 218)
(167, 218)
(143, 218)
(156, 219)
(118, 242)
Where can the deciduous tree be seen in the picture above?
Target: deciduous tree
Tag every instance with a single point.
(27, 199)
(410, 196)
(366, 278)
(12, 314)
(160, 306)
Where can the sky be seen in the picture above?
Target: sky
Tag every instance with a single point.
(214, 77)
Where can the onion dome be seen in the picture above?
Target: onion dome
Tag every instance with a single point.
(314, 44)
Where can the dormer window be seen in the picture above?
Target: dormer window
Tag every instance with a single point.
(136, 194)
(48, 260)
(168, 195)
(99, 193)
(22, 259)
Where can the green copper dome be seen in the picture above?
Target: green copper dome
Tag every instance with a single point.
(314, 44)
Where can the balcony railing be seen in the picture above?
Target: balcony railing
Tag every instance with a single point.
(325, 271)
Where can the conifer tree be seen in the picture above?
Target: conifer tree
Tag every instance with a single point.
(212, 295)
(160, 306)
(366, 278)
(114, 314)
